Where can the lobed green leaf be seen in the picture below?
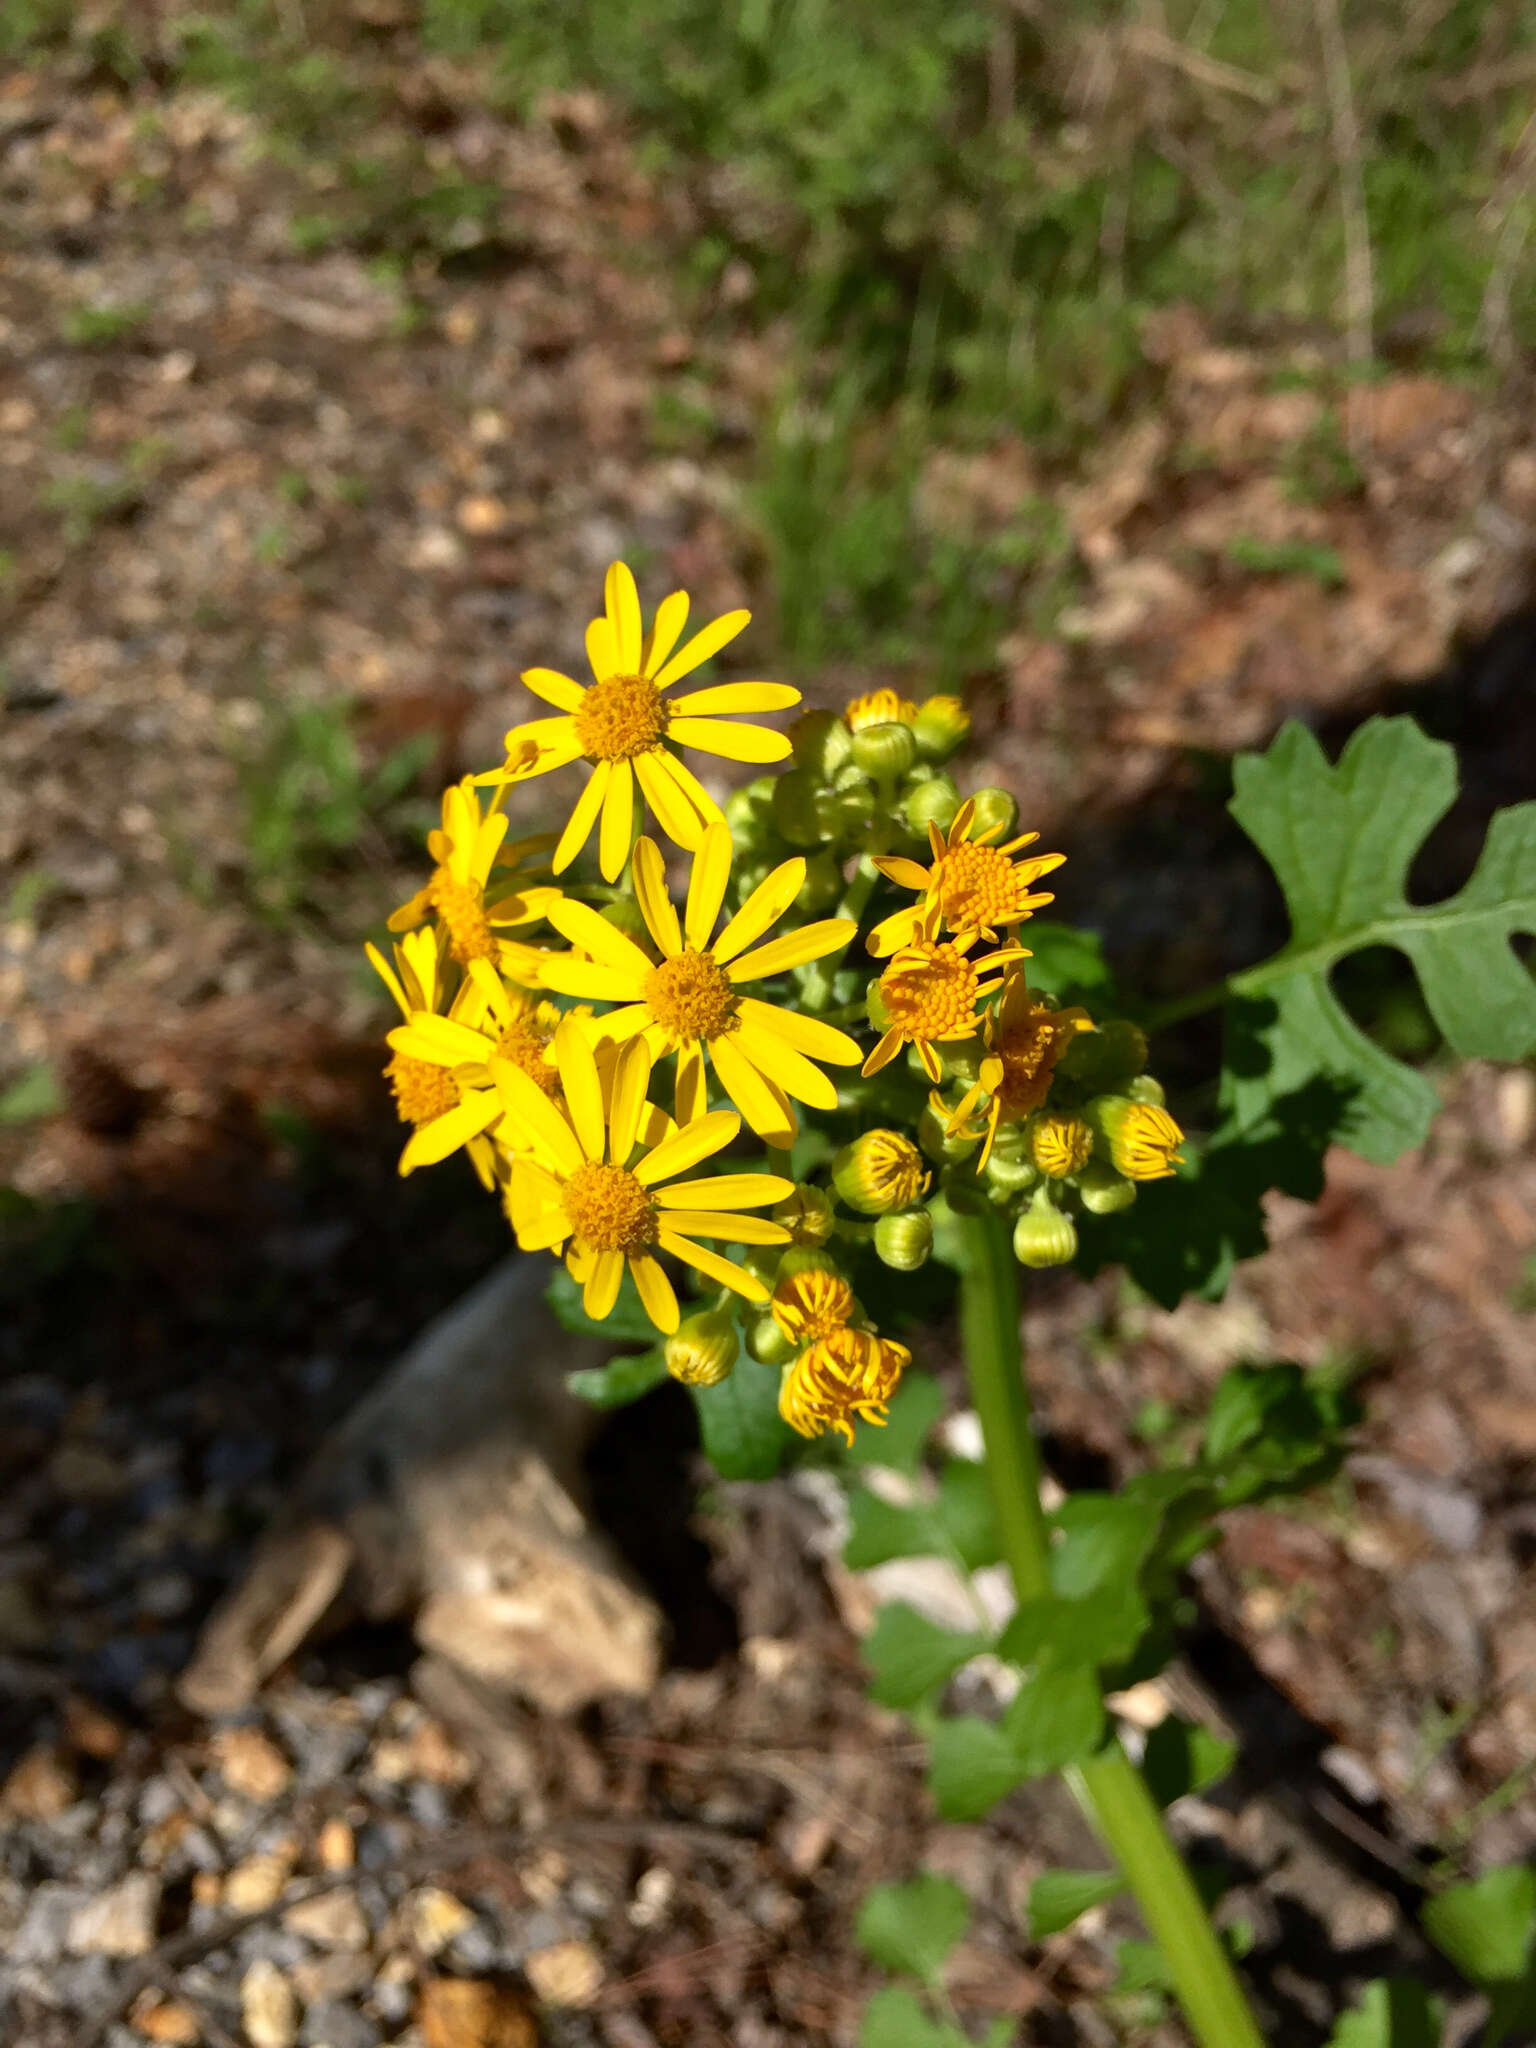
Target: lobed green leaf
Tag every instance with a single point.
(911, 1928)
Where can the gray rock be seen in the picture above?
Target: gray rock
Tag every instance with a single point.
(119, 1921)
(42, 1935)
(331, 2024)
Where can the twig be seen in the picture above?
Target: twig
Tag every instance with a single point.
(1161, 48)
(1495, 320)
(1359, 277)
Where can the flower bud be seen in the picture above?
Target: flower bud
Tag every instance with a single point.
(821, 742)
(1104, 1192)
(808, 1304)
(933, 802)
(822, 887)
(1146, 1088)
(904, 1239)
(701, 1351)
(943, 1146)
(747, 810)
(1105, 1058)
(1010, 1173)
(805, 1258)
(1043, 1236)
(1142, 1138)
(853, 815)
(768, 1343)
(806, 1214)
(1060, 1144)
(941, 728)
(879, 707)
(880, 1171)
(803, 811)
(884, 751)
(995, 807)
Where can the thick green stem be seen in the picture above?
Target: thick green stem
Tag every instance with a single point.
(1108, 1786)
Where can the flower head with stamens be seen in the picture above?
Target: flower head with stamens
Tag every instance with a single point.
(1024, 1038)
(811, 1304)
(475, 891)
(625, 725)
(578, 1184)
(977, 887)
(879, 707)
(691, 1001)
(847, 1373)
(1142, 1137)
(930, 993)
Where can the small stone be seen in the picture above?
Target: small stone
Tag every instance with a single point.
(481, 514)
(252, 1765)
(93, 1731)
(336, 1846)
(330, 2024)
(50, 1914)
(257, 1883)
(333, 1920)
(268, 2007)
(167, 2021)
(570, 1973)
(464, 2012)
(40, 1787)
(119, 1921)
(435, 1918)
(338, 1975)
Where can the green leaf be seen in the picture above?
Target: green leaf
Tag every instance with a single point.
(912, 1656)
(912, 1927)
(895, 2018)
(621, 1380)
(1102, 1629)
(628, 1323)
(915, 1407)
(1140, 1966)
(1058, 1897)
(973, 1765)
(1183, 1757)
(1341, 840)
(959, 1523)
(1068, 964)
(966, 1512)
(743, 1434)
(1103, 1540)
(34, 1093)
(1487, 1927)
(1393, 2012)
(1056, 1718)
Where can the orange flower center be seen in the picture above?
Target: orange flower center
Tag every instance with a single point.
(462, 909)
(1027, 1052)
(978, 887)
(691, 996)
(929, 991)
(423, 1092)
(620, 717)
(609, 1210)
(524, 1043)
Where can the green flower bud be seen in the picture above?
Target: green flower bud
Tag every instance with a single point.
(904, 1239)
(874, 1007)
(886, 751)
(747, 810)
(1010, 1174)
(1012, 1142)
(1105, 1058)
(1141, 1138)
(933, 802)
(823, 884)
(995, 807)
(1104, 1192)
(941, 728)
(853, 812)
(762, 1261)
(768, 1343)
(1146, 1088)
(941, 1147)
(803, 811)
(807, 1215)
(821, 743)
(701, 1351)
(880, 1171)
(807, 1258)
(1043, 1236)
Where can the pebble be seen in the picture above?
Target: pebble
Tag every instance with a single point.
(570, 1973)
(169, 2022)
(330, 2024)
(119, 1921)
(257, 1883)
(463, 2012)
(336, 1846)
(435, 1918)
(40, 1787)
(333, 1920)
(252, 1765)
(337, 1975)
(268, 2008)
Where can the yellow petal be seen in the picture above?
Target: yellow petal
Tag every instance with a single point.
(713, 1266)
(691, 1096)
(412, 913)
(818, 1041)
(707, 641)
(592, 981)
(632, 1076)
(578, 828)
(580, 923)
(736, 697)
(655, 1292)
(446, 1133)
(707, 883)
(533, 1116)
(730, 1229)
(811, 942)
(765, 906)
(650, 874)
(583, 1091)
(674, 813)
(884, 1052)
(760, 1101)
(554, 688)
(537, 1213)
(757, 743)
(893, 931)
(786, 1068)
(618, 815)
(541, 733)
(621, 600)
(602, 1288)
(685, 1147)
(671, 617)
(905, 873)
(387, 975)
(704, 807)
(602, 649)
(619, 1025)
(442, 1040)
(725, 1191)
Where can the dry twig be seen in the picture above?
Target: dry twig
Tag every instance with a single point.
(1359, 277)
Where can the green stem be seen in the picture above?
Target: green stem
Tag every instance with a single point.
(1108, 1786)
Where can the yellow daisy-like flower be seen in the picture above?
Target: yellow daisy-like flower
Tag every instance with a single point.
(1024, 1039)
(978, 887)
(575, 1184)
(879, 707)
(810, 1305)
(416, 978)
(846, 1373)
(472, 893)
(931, 991)
(1143, 1138)
(625, 726)
(691, 1000)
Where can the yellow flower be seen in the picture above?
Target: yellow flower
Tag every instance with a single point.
(624, 724)
(470, 893)
(879, 707)
(610, 1211)
(1143, 1139)
(930, 992)
(1024, 1039)
(1060, 1145)
(691, 1001)
(978, 887)
(879, 1171)
(416, 979)
(846, 1373)
(811, 1304)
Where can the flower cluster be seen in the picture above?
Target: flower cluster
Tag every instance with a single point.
(838, 943)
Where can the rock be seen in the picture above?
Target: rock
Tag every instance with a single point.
(570, 1973)
(268, 2008)
(334, 2025)
(91, 1730)
(40, 1787)
(167, 2021)
(333, 1920)
(252, 1765)
(257, 1883)
(463, 2012)
(44, 1932)
(335, 1846)
(119, 1921)
(338, 1975)
(81, 1473)
(435, 1918)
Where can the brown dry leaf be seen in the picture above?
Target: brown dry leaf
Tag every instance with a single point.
(469, 2012)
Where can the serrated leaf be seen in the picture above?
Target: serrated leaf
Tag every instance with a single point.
(1104, 1628)
(1487, 1927)
(895, 2018)
(915, 1407)
(743, 1434)
(1056, 1718)
(621, 1380)
(1341, 841)
(972, 1765)
(911, 1656)
(1058, 1897)
(1102, 1540)
(1183, 1757)
(628, 1323)
(911, 1928)
(1393, 2012)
